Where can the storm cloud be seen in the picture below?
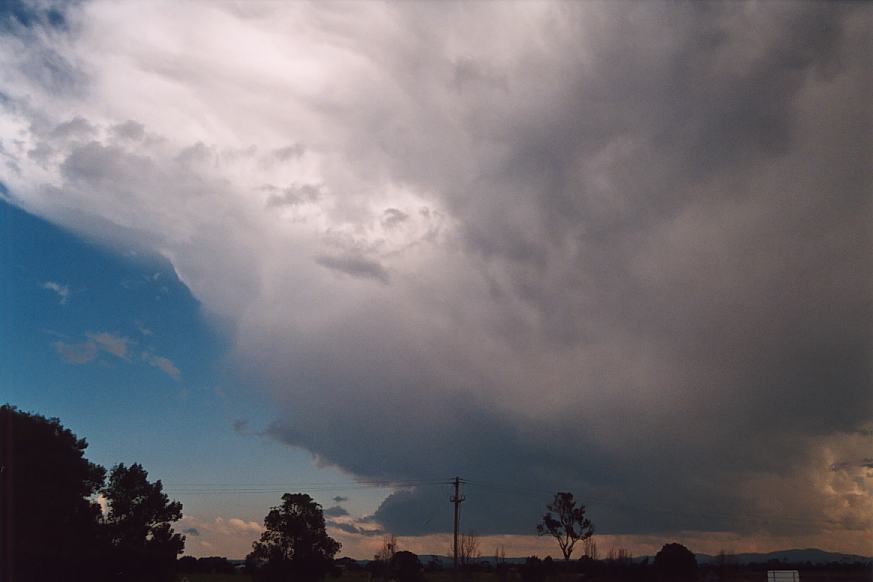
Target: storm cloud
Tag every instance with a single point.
(617, 249)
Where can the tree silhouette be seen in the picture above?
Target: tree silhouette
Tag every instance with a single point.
(565, 522)
(468, 549)
(139, 525)
(295, 543)
(675, 563)
(50, 521)
(405, 567)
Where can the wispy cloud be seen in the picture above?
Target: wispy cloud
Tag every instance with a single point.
(88, 350)
(63, 291)
(110, 343)
(76, 353)
(164, 364)
(141, 327)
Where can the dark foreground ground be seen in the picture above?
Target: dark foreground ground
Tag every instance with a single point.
(743, 575)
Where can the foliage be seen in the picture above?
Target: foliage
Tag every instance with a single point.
(536, 570)
(49, 516)
(139, 524)
(675, 563)
(565, 522)
(405, 567)
(211, 565)
(295, 543)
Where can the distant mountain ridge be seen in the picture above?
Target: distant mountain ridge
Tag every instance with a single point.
(793, 556)
(796, 556)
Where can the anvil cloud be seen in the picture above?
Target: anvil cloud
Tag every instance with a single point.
(618, 249)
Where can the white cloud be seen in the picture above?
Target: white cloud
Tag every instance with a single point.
(96, 342)
(76, 353)
(110, 343)
(230, 537)
(63, 291)
(164, 364)
(245, 526)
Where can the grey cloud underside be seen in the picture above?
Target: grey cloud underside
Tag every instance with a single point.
(353, 529)
(356, 266)
(659, 287)
(706, 224)
(335, 511)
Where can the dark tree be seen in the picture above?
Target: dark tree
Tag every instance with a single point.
(49, 517)
(406, 567)
(295, 543)
(675, 563)
(139, 525)
(532, 570)
(566, 523)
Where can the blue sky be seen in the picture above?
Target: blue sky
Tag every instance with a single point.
(60, 289)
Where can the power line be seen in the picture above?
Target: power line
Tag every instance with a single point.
(249, 488)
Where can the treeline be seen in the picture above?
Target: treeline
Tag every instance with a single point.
(66, 518)
(210, 565)
(674, 565)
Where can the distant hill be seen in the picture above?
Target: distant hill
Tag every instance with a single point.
(811, 555)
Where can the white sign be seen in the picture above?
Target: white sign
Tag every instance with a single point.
(783, 576)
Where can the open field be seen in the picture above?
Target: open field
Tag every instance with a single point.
(748, 576)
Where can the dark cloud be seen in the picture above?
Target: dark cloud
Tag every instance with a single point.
(353, 529)
(862, 464)
(191, 531)
(335, 511)
(696, 215)
(78, 127)
(356, 266)
(129, 130)
(340, 499)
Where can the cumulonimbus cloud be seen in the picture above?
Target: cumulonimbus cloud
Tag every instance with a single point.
(548, 256)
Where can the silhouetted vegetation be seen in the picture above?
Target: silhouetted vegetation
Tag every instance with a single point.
(211, 565)
(295, 544)
(53, 527)
(49, 516)
(139, 525)
(675, 563)
(565, 522)
(405, 567)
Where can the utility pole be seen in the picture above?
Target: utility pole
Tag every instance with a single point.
(456, 499)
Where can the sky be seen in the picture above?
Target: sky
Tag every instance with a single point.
(357, 249)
